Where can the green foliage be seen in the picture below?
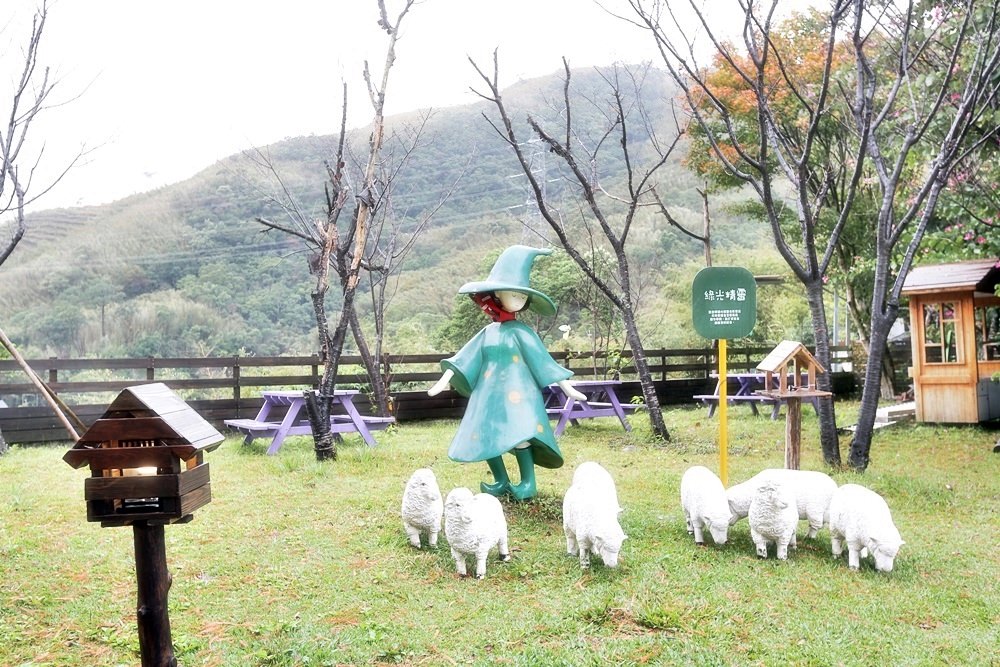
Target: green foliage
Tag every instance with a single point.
(466, 320)
(962, 240)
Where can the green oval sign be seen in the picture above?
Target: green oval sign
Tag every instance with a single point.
(724, 302)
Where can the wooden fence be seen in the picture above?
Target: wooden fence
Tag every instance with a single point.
(228, 387)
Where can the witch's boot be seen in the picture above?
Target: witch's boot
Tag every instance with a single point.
(502, 484)
(525, 489)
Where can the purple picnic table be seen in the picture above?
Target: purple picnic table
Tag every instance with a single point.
(294, 423)
(602, 401)
(750, 383)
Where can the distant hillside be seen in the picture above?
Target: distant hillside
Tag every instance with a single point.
(185, 269)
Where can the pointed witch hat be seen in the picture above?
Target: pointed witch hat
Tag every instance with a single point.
(510, 272)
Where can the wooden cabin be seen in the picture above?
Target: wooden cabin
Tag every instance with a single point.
(955, 337)
(146, 458)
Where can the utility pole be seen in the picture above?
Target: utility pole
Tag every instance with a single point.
(531, 221)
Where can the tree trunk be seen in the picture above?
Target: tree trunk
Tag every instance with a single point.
(888, 374)
(706, 229)
(862, 440)
(3, 444)
(829, 441)
(652, 401)
(375, 379)
(318, 411)
(863, 328)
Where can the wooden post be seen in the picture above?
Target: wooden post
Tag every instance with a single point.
(793, 432)
(155, 645)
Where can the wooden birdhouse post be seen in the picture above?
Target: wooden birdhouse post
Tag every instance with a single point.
(789, 376)
(147, 469)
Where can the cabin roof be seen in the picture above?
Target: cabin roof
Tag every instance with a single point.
(981, 275)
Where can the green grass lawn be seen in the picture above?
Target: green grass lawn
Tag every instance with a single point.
(299, 563)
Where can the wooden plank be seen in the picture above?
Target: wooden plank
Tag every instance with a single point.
(128, 457)
(145, 486)
(195, 498)
(134, 428)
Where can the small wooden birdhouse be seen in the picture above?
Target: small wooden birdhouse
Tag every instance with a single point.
(146, 457)
(790, 375)
(792, 365)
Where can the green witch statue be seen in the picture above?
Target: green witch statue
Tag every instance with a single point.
(502, 370)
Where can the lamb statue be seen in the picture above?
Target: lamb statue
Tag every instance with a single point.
(422, 507)
(861, 518)
(703, 499)
(812, 490)
(590, 516)
(773, 516)
(474, 524)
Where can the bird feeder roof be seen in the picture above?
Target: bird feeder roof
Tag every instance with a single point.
(149, 412)
(786, 352)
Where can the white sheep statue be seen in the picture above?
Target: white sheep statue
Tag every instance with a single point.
(474, 524)
(861, 518)
(812, 490)
(422, 507)
(703, 499)
(590, 516)
(773, 517)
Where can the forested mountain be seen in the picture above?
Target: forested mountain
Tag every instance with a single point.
(187, 270)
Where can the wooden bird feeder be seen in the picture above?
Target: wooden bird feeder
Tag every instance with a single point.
(146, 457)
(790, 372)
(147, 469)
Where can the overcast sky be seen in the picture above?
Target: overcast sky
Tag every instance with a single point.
(167, 87)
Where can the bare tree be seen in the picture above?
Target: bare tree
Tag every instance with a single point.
(389, 244)
(31, 96)
(343, 250)
(705, 238)
(911, 138)
(605, 220)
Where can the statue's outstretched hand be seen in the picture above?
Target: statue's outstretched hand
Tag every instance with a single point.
(571, 391)
(441, 384)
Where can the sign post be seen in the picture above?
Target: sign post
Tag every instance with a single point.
(724, 306)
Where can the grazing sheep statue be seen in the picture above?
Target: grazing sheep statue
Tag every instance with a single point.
(422, 507)
(773, 516)
(812, 490)
(590, 516)
(860, 517)
(703, 499)
(474, 524)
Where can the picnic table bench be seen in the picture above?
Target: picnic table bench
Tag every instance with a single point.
(294, 423)
(602, 401)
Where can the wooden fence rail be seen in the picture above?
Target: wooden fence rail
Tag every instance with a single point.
(226, 387)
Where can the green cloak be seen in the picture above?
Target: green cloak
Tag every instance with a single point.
(502, 371)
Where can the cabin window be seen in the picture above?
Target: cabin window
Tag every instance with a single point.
(941, 327)
(988, 333)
